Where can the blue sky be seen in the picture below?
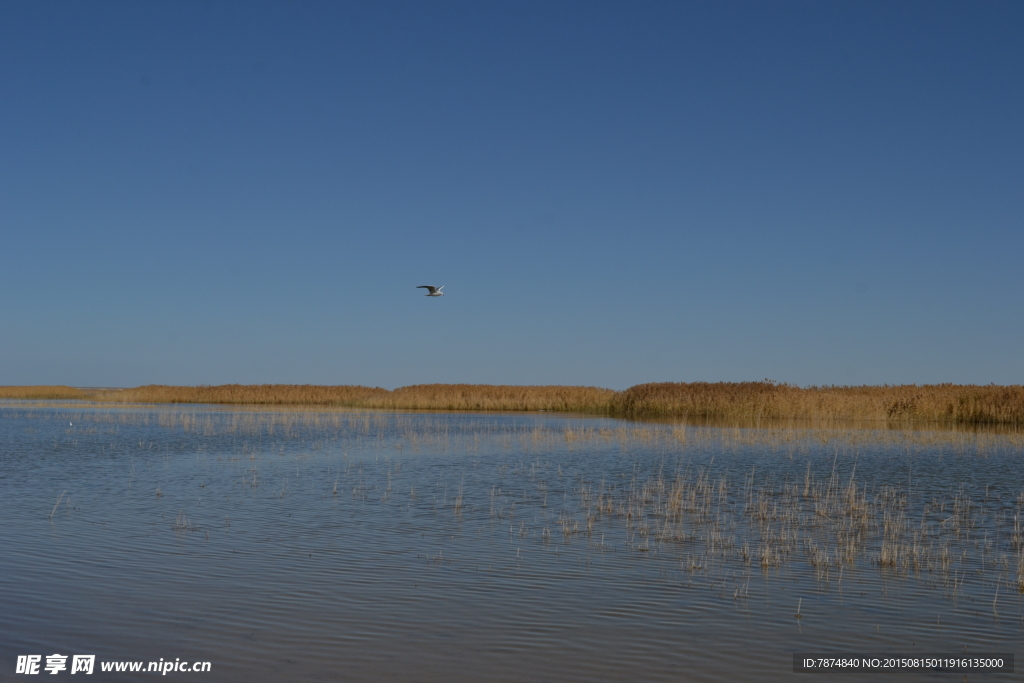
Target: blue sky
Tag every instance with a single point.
(611, 193)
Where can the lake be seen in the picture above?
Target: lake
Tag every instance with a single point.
(361, 546)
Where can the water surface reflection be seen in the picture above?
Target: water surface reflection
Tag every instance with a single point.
(405, 546)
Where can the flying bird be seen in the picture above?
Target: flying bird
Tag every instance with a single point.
(433, 291)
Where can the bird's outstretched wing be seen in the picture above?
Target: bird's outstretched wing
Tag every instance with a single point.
(428, 287)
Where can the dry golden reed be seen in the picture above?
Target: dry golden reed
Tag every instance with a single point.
(247, 394)
(947, 403)
(501, 397)
(53, 393)
(965, 404)
(417, 397)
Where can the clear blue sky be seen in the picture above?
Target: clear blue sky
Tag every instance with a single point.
(612, 193)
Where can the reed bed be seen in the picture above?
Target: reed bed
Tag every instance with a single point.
(415, 397)
(938, 403)
(831, 520)
(242, 394)
(833, 524)
(43, 392)
(966, 404)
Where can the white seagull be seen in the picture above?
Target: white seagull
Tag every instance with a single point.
(434, 291)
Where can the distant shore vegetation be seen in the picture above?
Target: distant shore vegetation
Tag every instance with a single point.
(950, 403)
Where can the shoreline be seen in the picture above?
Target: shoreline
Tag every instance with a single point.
(939, 404)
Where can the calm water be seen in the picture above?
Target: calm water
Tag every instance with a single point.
(426, 547)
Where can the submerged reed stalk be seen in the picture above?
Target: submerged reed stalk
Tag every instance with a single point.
(56, 504)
